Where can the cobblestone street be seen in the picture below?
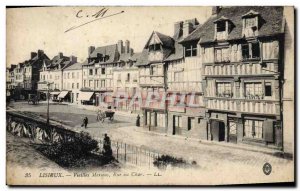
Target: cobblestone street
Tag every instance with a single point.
(208, 155)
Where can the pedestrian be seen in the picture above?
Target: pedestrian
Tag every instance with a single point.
(107, 151)
(138, 121)
(98, 115)
(85, 122)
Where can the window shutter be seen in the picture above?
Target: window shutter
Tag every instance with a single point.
(275, 49)
(268, 131)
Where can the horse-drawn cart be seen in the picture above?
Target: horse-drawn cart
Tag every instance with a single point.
(106, 114)
(32, 98)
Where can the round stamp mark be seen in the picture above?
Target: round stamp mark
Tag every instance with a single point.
(267, 168)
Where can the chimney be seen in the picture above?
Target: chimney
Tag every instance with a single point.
(90, 50)
(40, 53)
(60, 55)
(187, 28)
(120, 46)
(73, 59)
(33, 54)
(127, 46)
(215, 10)
(178, 29)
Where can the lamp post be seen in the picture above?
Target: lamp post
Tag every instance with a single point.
(48, 98)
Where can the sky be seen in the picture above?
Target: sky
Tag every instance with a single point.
(30, 29)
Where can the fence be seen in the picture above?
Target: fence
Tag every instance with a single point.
(30, 126)
(132, 154)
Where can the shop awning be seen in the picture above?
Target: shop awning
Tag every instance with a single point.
(63, 94)
(85, 96)
(54, 93)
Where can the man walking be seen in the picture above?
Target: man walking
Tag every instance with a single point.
(85, 122)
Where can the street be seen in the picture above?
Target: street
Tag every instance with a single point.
(208, 155)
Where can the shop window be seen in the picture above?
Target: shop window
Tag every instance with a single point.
(268, 89)
(177, 121)
(253, 129)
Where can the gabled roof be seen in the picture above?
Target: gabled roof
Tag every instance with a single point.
(165, 40)
(271, 17)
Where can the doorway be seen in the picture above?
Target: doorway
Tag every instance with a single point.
(218, 130)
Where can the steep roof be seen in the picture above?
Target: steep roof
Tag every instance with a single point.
(166, 41)
(177, 54)
(272, 20)
(75, 66)
(110, 51)
(142, 58)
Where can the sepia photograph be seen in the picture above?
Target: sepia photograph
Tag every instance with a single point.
(150, 95)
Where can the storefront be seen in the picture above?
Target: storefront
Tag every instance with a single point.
(87, 98)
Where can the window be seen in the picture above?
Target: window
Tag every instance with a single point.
(253, 129)
(178, 76)
(191, 50)
(128, 77)
(84, 83)
(68, 75)
(90, 83)
(251, 51)
(72, 85)
(102, 83)
(221, 55)
(153, 70)
(91, 72)
(253, 90)
(221, 26)
(177, 121)
(73, 75)
(96, 71)
(250, 22)
(135, 78)
(77, 75)
(97, 83)
(102, 70)
(268, 89)
(255, 50)
(154, 47)
(224, 89)
(77, 85)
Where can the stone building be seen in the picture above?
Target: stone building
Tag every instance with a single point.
(98, 73)
(126, 82)
(52, 72)
(73, 81)
(242, 74)
(27, 75)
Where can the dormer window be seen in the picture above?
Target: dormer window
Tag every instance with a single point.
(154, 47)
(250, 24)
(222, 28)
